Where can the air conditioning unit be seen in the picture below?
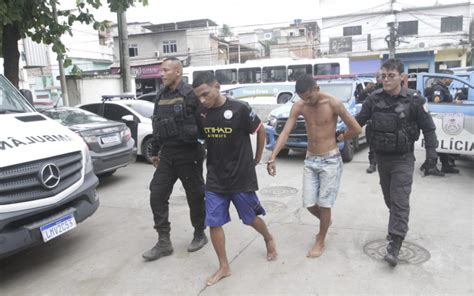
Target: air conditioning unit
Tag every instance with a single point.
(157, 54)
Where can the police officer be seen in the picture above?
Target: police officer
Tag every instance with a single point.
(440, 91)
(441, 94)
(397, 115)
(177, 154)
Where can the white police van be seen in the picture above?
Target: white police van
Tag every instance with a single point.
(47, 183)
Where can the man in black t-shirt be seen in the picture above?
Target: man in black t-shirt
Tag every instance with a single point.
(226, 125)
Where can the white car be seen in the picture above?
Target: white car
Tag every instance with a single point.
(135, 113)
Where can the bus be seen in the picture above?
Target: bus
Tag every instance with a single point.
(267, 81)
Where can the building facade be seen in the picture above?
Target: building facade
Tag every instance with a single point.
(298, 40)
(193, 42)
(428, 38)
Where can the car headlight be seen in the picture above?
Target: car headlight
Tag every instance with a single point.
(88, 165)
(271, 120)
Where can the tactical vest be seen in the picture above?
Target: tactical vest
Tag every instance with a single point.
(393, 131)
(175, 121)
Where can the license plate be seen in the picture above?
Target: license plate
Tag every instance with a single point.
(58, 227)
(110, 140)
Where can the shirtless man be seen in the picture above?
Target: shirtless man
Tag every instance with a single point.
(323, 163)
(226, 125)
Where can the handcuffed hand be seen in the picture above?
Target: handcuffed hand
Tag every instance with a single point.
(155, 160)
(271, 168)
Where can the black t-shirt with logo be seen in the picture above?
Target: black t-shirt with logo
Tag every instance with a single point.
(230, 161)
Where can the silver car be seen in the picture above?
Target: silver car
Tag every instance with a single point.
(110, 142)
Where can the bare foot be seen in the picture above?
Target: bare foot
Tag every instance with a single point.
(271, 250)
(317, 249)
(220, 274)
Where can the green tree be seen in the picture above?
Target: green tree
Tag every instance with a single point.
(35, 19)
(226, 31)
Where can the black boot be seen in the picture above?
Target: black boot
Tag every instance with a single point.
(393, 248)
(431, 169)
(162, 248)
(199, 240)
(372, 168)
(449, 169)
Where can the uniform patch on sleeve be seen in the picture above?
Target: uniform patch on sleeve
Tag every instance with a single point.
(252, 115)
(425, 107)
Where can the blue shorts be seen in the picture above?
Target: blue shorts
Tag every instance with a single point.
(321, 179)
(217, 207)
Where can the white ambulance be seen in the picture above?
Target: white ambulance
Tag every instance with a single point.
(47, 183)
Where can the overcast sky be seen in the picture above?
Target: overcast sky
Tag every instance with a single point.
(241, 13)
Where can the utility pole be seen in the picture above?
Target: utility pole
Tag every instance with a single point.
(471, 40)
(238, 50)
(123, 52)
(62, 76)
(392, 38)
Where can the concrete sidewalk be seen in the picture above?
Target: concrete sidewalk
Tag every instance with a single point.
(103, 255)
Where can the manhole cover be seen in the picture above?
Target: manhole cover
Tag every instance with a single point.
(179, 200)
(273, 206)
(410, 253)
(278, 191)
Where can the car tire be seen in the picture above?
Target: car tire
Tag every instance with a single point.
(347, 152)
(283, 98)
(147, 148)
(283, 152)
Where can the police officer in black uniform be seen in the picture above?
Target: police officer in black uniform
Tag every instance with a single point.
(440, 94)
(177, 154)
(397, 115)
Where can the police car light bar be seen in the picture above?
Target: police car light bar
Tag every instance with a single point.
(121, 97)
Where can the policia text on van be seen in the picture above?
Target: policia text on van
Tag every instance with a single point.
(47, 184)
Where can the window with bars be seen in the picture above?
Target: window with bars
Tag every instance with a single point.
(170, 46)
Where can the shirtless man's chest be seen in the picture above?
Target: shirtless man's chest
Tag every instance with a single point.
(320, 126)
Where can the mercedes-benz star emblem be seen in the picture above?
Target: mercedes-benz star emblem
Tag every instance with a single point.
(49, 176)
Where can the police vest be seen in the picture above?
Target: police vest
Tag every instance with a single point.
(393, 131)
(175, 121)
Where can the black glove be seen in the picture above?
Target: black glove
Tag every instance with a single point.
(429, 168)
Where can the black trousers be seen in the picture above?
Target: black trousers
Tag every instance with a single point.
(371, 155)
(368, 135)
(445, 159)
(161, 186)
(396, 178)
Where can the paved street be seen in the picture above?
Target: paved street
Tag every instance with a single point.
(103, 255)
